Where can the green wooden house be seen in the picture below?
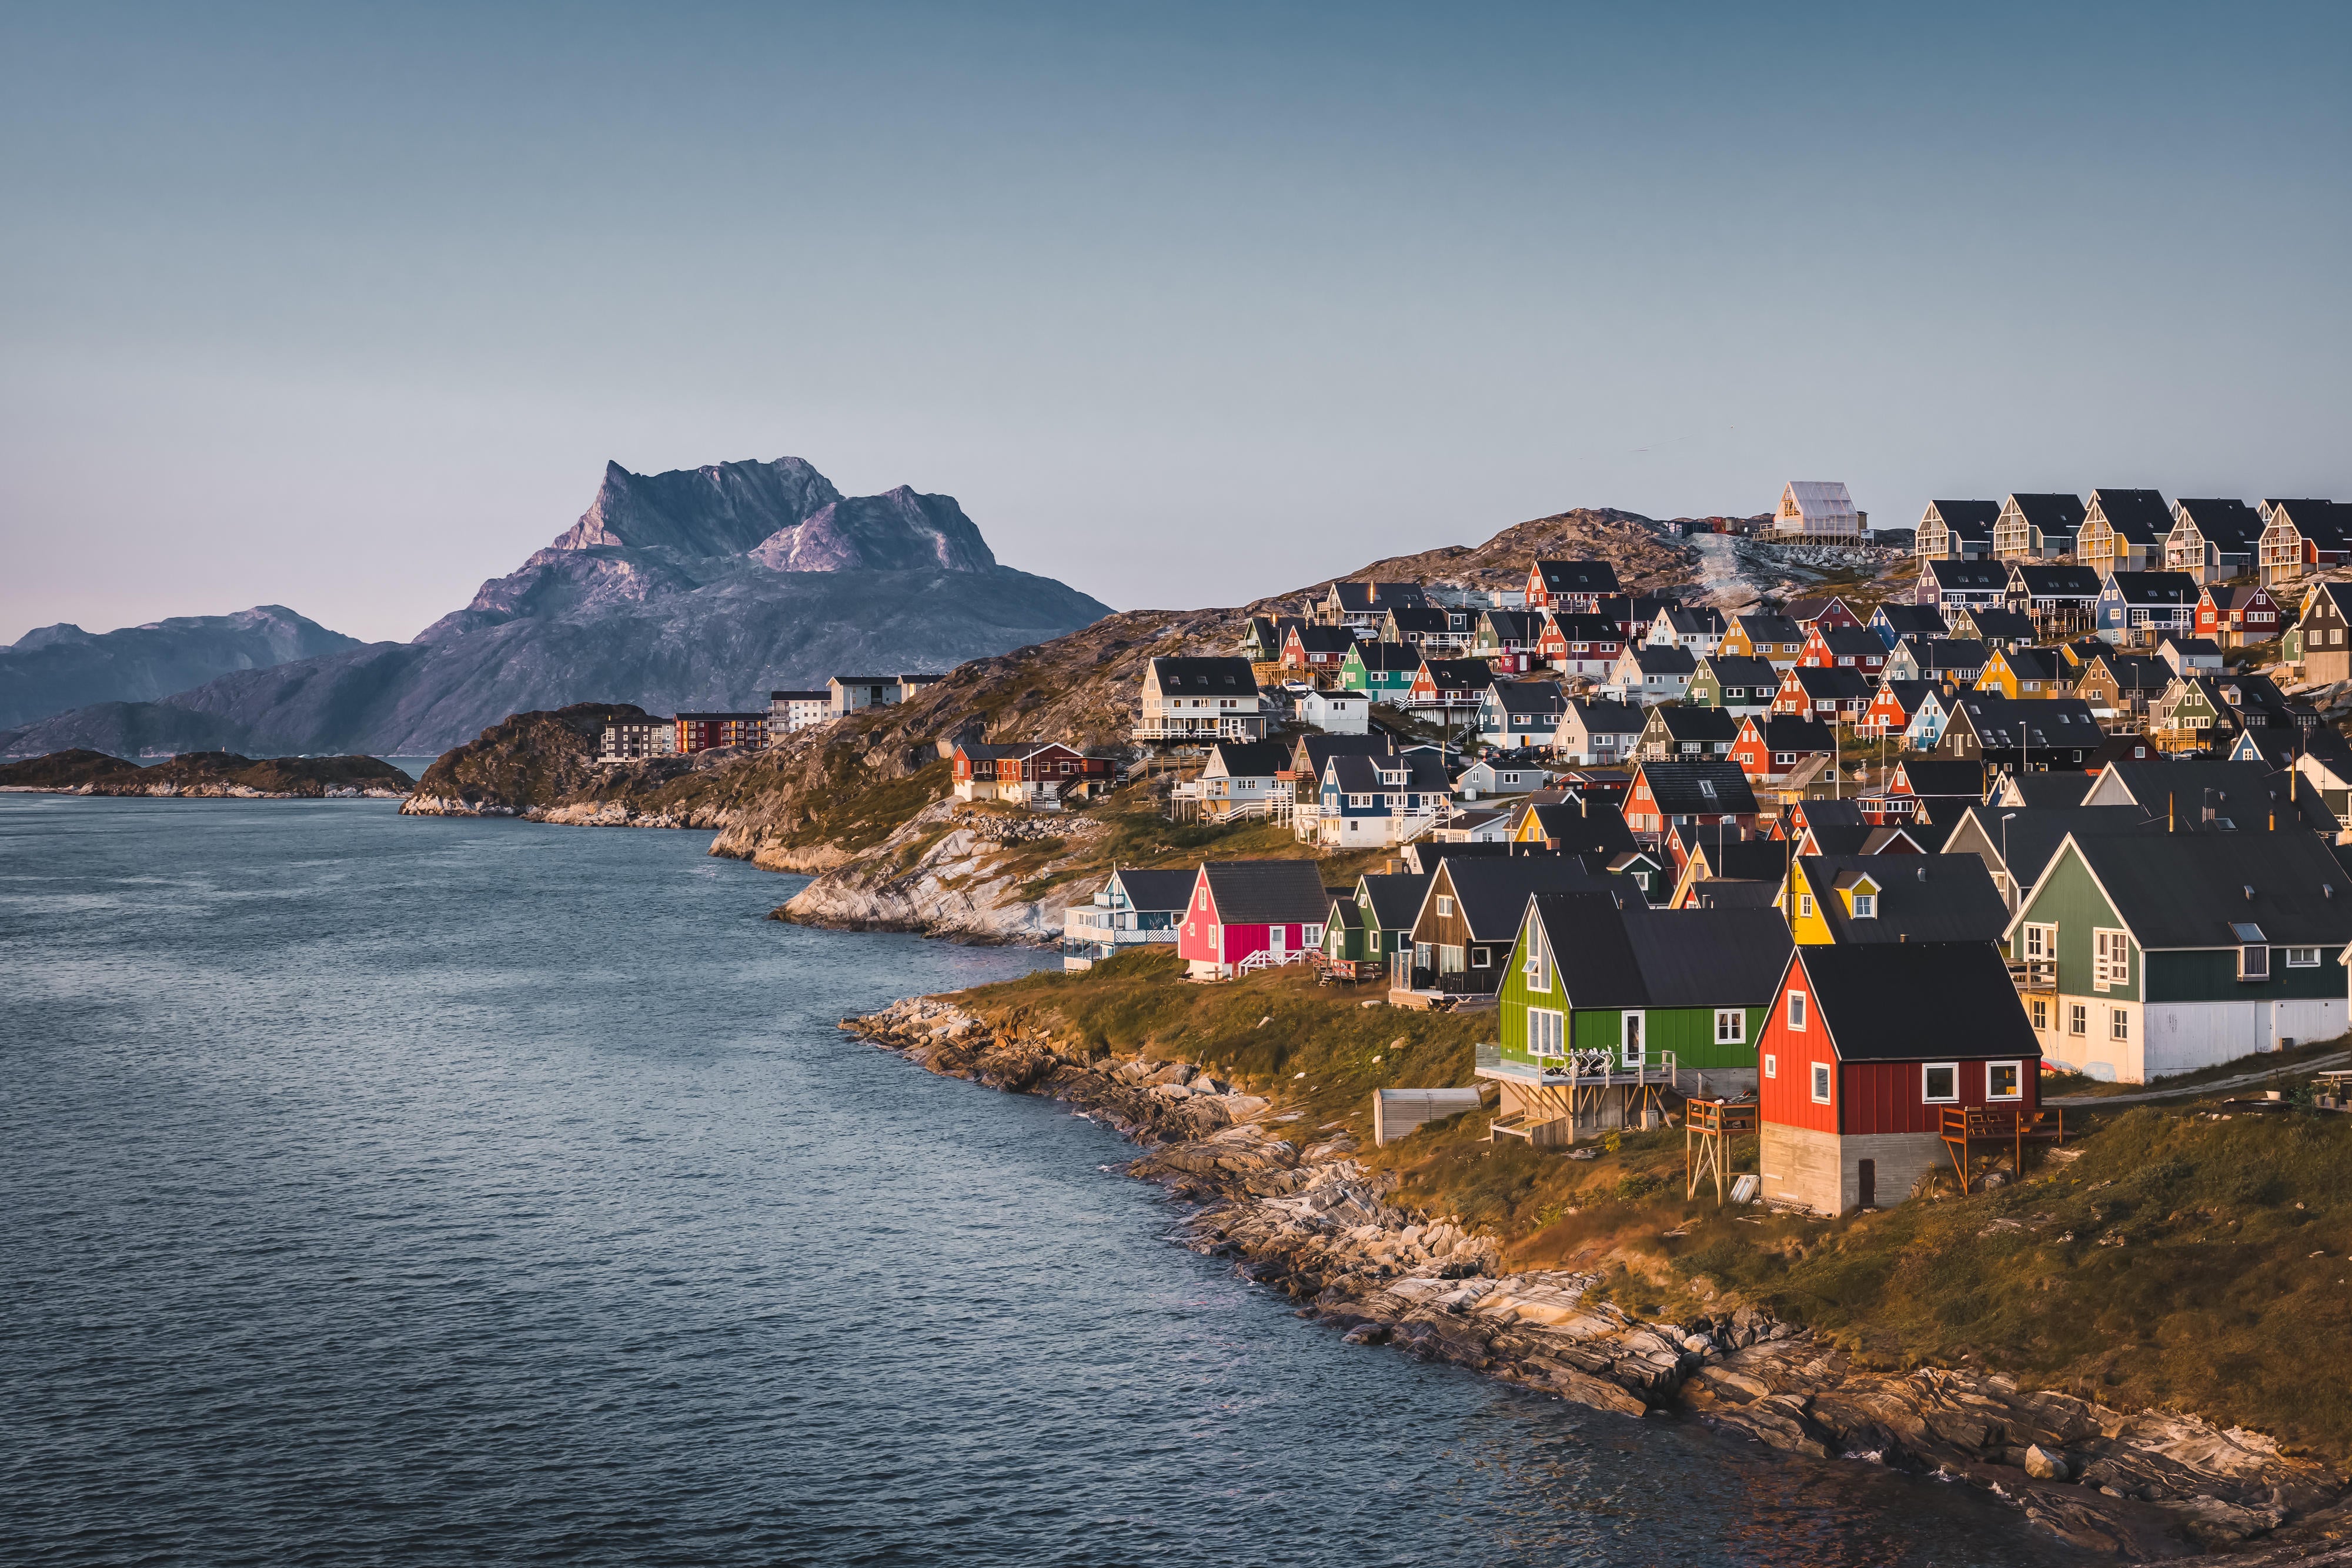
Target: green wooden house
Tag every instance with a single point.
(2141, 953)
(1595, 972)
(1374, 922)
(1739, 685)
(1383, 670)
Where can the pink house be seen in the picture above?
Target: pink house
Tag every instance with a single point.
(1251, 915)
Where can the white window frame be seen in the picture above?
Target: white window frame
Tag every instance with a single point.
(1481, 959)
(1771, 1066)
(1731, 1026)
(2248, 956)
(2016, 1067)
(2078, 1020)
(1547, 1033)
(2107, 970)
(1444, 906)
(2302, 957)
(1633, 1039)
(1804, 911)
(1796, 1012)
(1824, 1083)
(2041, 941)
(1865, 906)
(1538, 972)
(2119, 1024)
(1929, 1099)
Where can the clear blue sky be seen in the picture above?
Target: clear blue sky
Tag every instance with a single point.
(345, 308)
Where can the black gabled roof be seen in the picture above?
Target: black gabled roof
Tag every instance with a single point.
(1491, 895)
(1835, 838)
(2040, 723)
(1969, 519)
(1948, 652)
(2154, 587)
(1419, 617)
(1747, 860)
(1205, 675)
(1934, 776)
(2222, 520)
(1424, 773)
(1528, 695)
(1607, 718)
(1321, 639)
(1837, 680)
(1578, 577)
(1344, 913)
(2243, 792)
(1663, 661)
(1155, 889)
(1251, 758)
(1577, 627)
(1762, 626)
(1857, 641)
(1991, 622)
(1315, 750)
(2190, 890)
(2136, 671)
(1921, 898)
(1684, 722)
(1790, 732)
(2052, 511)
(1908, 695)
(1612, 955)
(2139, 516)
(1395, 897)
(2049, 789)
(1696, 788)
(2055, 582)
(1916, 1001)
(1741, 670)
(1579, 827)
(1953, 576)
(1388, 655)
(1456, 675)
(1734, 892)
(1515, 625)
(1265, 892)
(2034, 832)
(1363, 598)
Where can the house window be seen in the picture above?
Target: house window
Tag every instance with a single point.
(1821, 1082)
(2078, 1019)
(1538, 972)
(2110, 959)
(1771, 1066)
(1804, 911)
(2004, 1081)
(2118, 1024)
(2041, 1010)
(1731, 1026)
(1546, 1031)
(1796, 1009)
(2041, 941)
(1939, 1082)
(2253, 963)
(1478, 958)
(2302, 957)
(1865, 906)
(1444, 905)
(1633, 1043)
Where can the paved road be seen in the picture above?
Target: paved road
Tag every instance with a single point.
(2316, 1064)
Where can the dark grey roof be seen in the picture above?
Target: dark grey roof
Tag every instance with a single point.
(1960, 576)
(1155, 889)
(1578, 576)
(1838, 682)
(1204, 674)
(1529, 697)
(2054, 581)
(1423, 770)
(1836, 837)
(2188, 889)
(1265, 892)
(2049, 789)
(1907, 694)
(1918, 1001)
(1607, 954)
(1911, 620)
(2139, 516)
(1456, 675)
(2031, 834)
(2155, 587)
(1389, 655)
(1734, 892)
(2244, 793)
(1583, 828)
(2055, 723)
(1395, 897)
(1661, 661)
(1419, 617)
(2012, 623)
(1698, 788)
(1492, 893)
(1764, 627)
(1608, 718)
(1921, 898)
(1860, 642)
(1682, 722)
(1741, 670)
(2052, 512)
(1319, 749)
(1251, 758)
(1581, 628)
(1747, 860)
(1322, 638)
(1515, 625)
(2137, 672)
(1788, 732)
(1949, 652)
(2222, 520)
(1344, 913)
(1973, 519)
(1363, 598)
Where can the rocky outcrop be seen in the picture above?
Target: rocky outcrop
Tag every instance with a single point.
(210, 774)
(52, 669)
(941, 874)
(1297, 1213)
(698, 590)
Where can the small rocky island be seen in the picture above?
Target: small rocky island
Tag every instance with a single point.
(222, 774)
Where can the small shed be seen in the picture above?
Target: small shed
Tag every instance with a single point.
(1400, 1113)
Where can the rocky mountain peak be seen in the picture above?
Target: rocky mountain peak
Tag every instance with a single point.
(721, 509)
(897, 530)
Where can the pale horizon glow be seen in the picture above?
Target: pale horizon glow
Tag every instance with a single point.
(346, 310)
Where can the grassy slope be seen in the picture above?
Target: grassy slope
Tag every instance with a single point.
(2169, 1265)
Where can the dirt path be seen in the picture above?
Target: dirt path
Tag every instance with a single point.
(2318, 1064)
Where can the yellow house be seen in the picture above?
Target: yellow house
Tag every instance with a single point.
(1856, 894)
(2025, 672)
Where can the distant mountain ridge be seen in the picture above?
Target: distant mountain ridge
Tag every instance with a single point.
(699, 589)
(51, 669)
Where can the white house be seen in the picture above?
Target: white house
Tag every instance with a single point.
(1338, 712)
(1597, 734)
(1818, 509)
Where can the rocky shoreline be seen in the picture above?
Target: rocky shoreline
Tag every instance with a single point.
(1297, 1213)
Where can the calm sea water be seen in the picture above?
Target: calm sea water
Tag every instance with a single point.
(390, 1190)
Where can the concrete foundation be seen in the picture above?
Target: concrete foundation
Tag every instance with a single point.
(1823, 1171)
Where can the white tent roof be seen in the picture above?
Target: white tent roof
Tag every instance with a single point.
(1820, 497)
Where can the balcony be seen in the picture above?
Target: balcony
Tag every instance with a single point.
(2035, 975)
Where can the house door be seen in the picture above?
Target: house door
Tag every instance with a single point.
(1633, 1042)
(1277, 941)
(1865, 1175)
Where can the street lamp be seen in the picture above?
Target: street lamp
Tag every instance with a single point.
(2007, 874)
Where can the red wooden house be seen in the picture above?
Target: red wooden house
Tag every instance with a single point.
(1771, 747)
(1842, 648)
(2234, 617)
(1875, 1053)
(1575, 586)
(1833, 695)
(1252, 914)
(1045, 771)
(1579, 644)
(1317, 650)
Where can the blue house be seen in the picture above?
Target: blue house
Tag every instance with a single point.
(2141, 608)
(1372, 802)
(1926, 725)
(1894, 621)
